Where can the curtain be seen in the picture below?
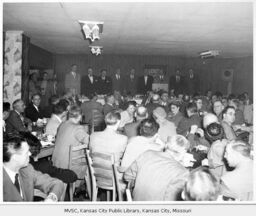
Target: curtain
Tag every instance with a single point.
(25, 69)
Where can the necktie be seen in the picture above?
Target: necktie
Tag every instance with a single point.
(16, 182)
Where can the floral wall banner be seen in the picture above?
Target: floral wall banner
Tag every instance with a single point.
(12, 66)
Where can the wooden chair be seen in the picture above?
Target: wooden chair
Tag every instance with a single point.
(103, 174)
(76, 159)
(97, 121)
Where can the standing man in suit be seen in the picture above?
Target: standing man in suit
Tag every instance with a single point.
(192, 82)
(109, 141)
(131, 83)
(177, 83)
(33, 111)
(117, 82)
(160, 78)
(73, 81)
(89, 82)
(104, 84)
(145, 82)
(16, 122)
(19, 177)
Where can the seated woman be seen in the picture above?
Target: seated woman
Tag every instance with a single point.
(45, 166)
(215, 135)
(201, 186)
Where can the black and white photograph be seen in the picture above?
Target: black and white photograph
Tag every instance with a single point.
(127, 103)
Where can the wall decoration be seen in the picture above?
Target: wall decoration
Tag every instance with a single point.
(12, 66)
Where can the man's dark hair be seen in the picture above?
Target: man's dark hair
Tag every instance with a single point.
(192, 107)
(213, 132)
(36, 94)
(11, 144)
(225, 110)
(6, 107)
(33, 142)
(148, 127)
(65, 103)
(59, 108)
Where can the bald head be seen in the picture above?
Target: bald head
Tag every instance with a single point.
(141, 113)
(208, 119)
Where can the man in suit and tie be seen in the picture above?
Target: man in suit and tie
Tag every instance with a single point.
(33, 111)
(131, 83)
(145, 82)
(177, 83)
(19, 177)
(16, 122)
(109, 141)
(192, 82)
(117, 82)
(104, 84)
(89, 82)
(160, 77)
(73, 81)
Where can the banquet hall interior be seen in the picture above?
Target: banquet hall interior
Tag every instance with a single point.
(127, 101)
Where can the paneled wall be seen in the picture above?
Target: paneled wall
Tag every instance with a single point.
(208, 70)
(40, 58)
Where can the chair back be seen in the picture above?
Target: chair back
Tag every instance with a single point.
(103, 174)
(77, 157)
(97, 120)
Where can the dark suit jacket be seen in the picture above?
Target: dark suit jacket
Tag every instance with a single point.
(144, 88)
(32, 113)
(150, 107)
(192, 84)
(108, 108)
(88, 106)
(118, 85)
(45, 166)
(30, 179)
(186, 123)
(104, 86)
(14, 123)
(179, 87)
(131, 85)
(88, 88)
(132, 129)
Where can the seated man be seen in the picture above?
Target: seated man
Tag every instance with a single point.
(174, 114)
(48, 110)
(154, 103)
(238, 183)
(127, 116)
(218, 108)
(19, 177)
(132, 129)
(159, 176)
(201, 186)
(227, 121)
(109, 141)
(33, 111)
(88, 106)
(166, 128)
(148, 140)
(109, 104)
(59, 115)
(70, 133)
(45, 166)
(16, 122)
(193, 119)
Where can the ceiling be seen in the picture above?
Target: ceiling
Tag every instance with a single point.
(177, 29)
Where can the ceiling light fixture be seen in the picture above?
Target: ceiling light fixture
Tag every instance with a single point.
(91, 29)
(96, 50)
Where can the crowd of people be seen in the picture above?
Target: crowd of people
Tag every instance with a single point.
(172, 146)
